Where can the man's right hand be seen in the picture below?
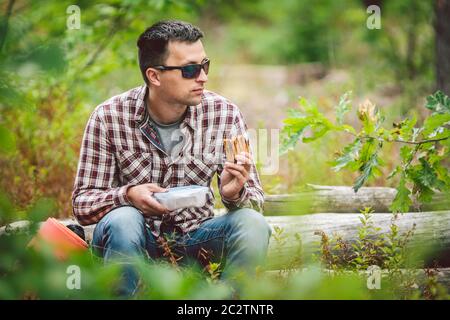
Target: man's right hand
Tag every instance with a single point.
(141, 196)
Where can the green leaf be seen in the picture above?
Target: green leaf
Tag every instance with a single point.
(294, 113)
(424, 179)
(291, 133)
(343, 107)
(289, 141)
(309, 108)
(407, 128)
(10, 96)
(438, 103)
(6, 208)
(316, 134)
(394, 172)
(43, 208)
(368, 163)
(443, 175)
(427, 175)
(349, 156)
(295, 126)
(368, 149)
(346, 128)
(402, 200)
(368, 126)
(434, 122)
(319, 128)
(367, 170)
(406, 153)
(7, 141)
(49, 57)
(425, 194)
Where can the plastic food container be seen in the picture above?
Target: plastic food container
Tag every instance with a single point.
(62, 240)
(183, 197)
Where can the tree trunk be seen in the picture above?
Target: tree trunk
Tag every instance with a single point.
(295, 237)
(442, 31)
(432, 233)
(342, 199)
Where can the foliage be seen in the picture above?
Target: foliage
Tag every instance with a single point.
(48, 277)
(391, 252)
(370, 248)
(423, 168)
(51, 79)
(402, 47)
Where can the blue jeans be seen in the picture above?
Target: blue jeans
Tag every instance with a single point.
(238, 240)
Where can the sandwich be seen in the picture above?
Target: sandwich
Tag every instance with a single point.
(235, 146)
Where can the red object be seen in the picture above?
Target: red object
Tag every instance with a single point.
(63, 240)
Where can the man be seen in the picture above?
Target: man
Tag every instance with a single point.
(164, 134)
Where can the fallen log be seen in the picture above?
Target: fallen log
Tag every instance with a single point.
(343, 199)
(441, 275)
(432, 232)
(294, 237)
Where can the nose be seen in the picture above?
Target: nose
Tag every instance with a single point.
(202, 77)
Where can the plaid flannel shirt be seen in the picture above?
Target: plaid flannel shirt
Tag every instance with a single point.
(120, 149)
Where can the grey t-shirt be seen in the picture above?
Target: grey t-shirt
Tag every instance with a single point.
(171, 136)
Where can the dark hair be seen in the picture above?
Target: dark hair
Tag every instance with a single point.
(152, 43)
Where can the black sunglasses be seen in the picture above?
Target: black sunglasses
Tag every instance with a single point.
(189, 71)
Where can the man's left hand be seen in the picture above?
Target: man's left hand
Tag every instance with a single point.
(235, 175)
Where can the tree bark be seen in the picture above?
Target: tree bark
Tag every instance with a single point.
(342, 199)
(432, 232)
(442, 32)
(4, 25)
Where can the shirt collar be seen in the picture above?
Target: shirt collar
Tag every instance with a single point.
(139, 96)
(140, 113)
(190, 117)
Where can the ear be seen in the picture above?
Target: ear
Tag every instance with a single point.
(153, 76)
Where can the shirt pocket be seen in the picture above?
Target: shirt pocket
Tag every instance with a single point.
(198, 172)
(137, 167)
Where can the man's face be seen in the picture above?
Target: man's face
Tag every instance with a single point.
(174, 87)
